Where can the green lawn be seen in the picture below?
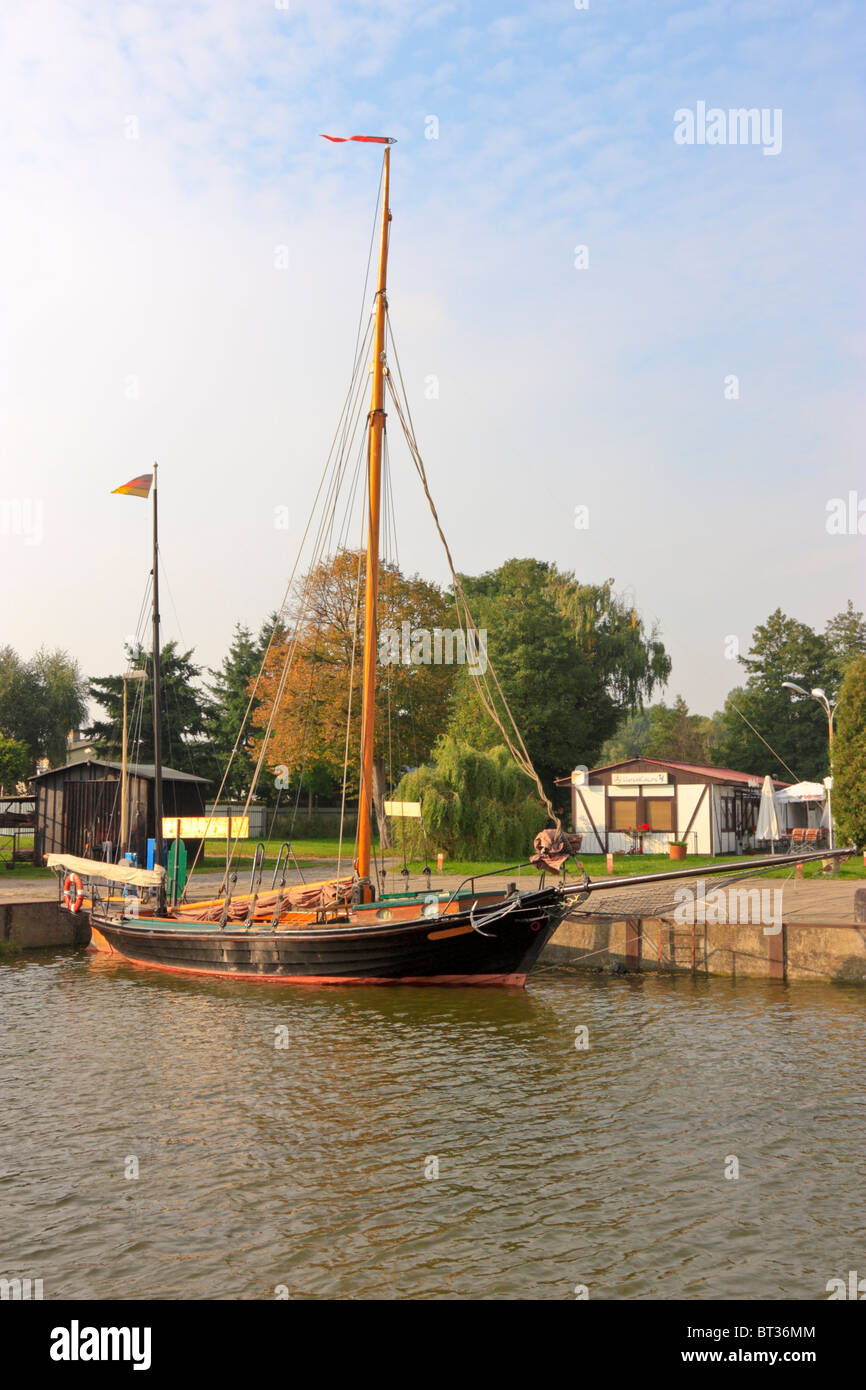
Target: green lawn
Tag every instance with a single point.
(214, 856)
(627, 864)
(8, 876)
(324, 853)
(595, 864)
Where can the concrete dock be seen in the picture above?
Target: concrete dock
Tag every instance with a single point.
(820, 932)
(29, 922)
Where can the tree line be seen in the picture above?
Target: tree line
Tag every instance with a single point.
(575, 663)
(760, 728)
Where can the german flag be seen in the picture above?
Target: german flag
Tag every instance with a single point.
(137, 487)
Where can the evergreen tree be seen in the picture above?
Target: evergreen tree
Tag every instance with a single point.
(184, 711)
(849, 757)
(678, 735)
(846, 637)
(782, 650)
(228, 719)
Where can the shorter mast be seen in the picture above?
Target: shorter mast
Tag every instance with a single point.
(374, 490)
(124, 793)
(135, 675)
(157, 752)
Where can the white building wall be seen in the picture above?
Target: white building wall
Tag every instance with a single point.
(724, 841)
(595, 804)
(688, 796)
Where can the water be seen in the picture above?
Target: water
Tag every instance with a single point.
(305, 1166)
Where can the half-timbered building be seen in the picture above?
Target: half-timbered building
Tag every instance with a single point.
(713, 809)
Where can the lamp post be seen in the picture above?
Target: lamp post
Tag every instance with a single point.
(830, 710)
(124, 793)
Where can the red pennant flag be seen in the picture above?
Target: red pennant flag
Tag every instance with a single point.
(137, 487)
(367, 139)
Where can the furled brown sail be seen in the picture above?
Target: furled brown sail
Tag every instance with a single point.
(553, 848)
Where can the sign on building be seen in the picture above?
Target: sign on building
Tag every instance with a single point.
(637, 779)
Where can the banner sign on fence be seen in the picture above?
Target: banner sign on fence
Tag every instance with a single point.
(206, 827)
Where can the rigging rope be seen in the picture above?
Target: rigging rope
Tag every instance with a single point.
(335, 467)
(486, 693)
(763, 740)
(355, 616)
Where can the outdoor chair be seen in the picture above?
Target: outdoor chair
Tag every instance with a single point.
(816, 836)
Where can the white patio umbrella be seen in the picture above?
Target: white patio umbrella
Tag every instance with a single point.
(769, 820)
(802, 791)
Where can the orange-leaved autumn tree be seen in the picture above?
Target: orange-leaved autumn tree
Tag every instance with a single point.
(323, 625)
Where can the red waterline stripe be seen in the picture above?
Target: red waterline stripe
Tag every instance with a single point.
(514, 981)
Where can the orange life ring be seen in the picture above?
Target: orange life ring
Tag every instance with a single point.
(73, 903)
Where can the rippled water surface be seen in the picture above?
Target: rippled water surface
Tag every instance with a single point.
(304, 1166)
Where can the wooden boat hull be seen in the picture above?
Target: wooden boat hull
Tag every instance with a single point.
(427, 950)
(97, 941)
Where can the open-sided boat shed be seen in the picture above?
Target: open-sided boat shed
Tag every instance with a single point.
(78, 806)
(713, 809)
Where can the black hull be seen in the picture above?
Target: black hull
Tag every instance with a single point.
(437, 950)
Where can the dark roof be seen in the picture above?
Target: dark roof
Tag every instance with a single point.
(146, 770)
(715, 774)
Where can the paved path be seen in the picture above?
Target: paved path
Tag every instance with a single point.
(803, 900)
(816, 900)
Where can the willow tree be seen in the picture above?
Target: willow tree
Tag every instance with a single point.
(310, 692)
(474, 805)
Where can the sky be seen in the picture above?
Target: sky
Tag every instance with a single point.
(182, 269)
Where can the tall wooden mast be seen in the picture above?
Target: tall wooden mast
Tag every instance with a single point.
(157, 752)
(376, 430)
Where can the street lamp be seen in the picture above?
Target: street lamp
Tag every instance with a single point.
(829, 709)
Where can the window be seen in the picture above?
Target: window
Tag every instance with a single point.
(623, 812)
(660, 813)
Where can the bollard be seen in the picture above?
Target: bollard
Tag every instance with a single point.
(440, 862)
(610, 863)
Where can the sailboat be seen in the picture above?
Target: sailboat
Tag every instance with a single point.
(343, 931)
